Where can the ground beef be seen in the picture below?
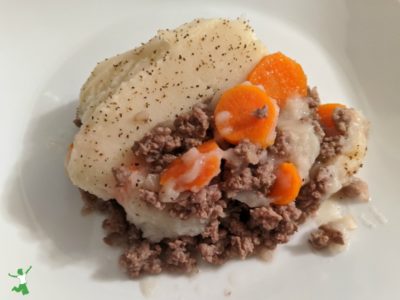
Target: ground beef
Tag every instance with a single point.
(212, 231)
(281, 146)
(246, 153)
(179, 255)
(204, 204)
(247, 168)
(264, 217)
(91, 203)
(239, 181)
(243, 245)
(313, 102)
(311, 193)
(164, 161)
(150, 198)
(312, 98)
(154, 145)
(331, 146)
(261, 113)
(342, 118)
(213, 253)
(118, 230)
(176, 255)
(319, 131)
(265, 174)
(288, 225)
(325, 236)
(193, 127)
(142, 258)
(253, 178)
(247, 231)
(357, 190)
(163, 144)
(121, 176)
(236, 226)
(77, 122)
(115, 223)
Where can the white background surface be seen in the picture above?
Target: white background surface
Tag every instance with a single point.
(349, 49)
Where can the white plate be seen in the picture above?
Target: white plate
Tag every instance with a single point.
(349, 49)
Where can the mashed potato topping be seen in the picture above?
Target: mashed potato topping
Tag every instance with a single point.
(174, 70)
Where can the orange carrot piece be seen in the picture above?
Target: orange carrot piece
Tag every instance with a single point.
(246, 112)
(208, 147)
(287, 184)
(280, 76)
(325, 112)
(210, 169)
(205, 165)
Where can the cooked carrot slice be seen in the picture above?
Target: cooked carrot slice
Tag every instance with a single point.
(246, 112)
(208, 147)
(287, 184)
(194, 169)
(280, 76)
(325, 112)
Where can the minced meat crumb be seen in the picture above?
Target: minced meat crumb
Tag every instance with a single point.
(312, 98)
(154, 145)
(331, 146)
(78, 122)
(248, 153)
(150, 198)
(204, 204)
(162, 145)
(311, 193)
(141, 258)
(179, 255)
(357, 190)
(252, 178)
(265, 217)
(193, 127)
(342, 119)
(91, 203)
(121, 176)
(248, 168)
(325, 236)
(212, 231)
(281, 146)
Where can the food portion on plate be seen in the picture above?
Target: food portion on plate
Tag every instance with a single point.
(201, 143)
